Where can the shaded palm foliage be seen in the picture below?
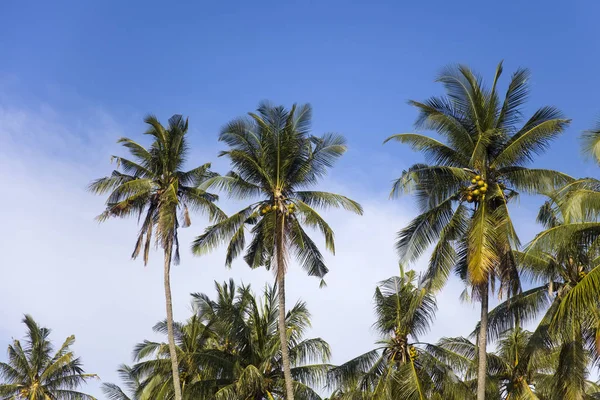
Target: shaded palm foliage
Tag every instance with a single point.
(401, 367)
(474, 172)
(276, 161)
(577, 229)
(230, 349)
(519, 369)
(154, 188)
(557, 273)
(511, 374)
(38, 371)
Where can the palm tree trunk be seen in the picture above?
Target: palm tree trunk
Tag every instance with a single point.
(285, 355)
(482, 343)
(170, 334)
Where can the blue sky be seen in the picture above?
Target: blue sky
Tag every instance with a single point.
(357, 63)
(76, 75)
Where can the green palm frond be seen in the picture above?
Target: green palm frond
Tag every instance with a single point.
(436, 151)
(533, 138)
(323, 200)
(38, 371)
(423, 231)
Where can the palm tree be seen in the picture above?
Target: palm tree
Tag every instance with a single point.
(37, 372)
(230, 349)
(518, 370)
(275, 160)
(464, 192)
(248, 356)
(579, 226)
(152, 368)
(155, 187)
(399, 368)
(556, 273)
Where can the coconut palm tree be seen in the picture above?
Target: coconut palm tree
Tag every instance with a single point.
(248, 357)
(276, 161)
(36, 371)
(556, 273)
(154, 188)
(153, 365)
(472, 175)
(519, 369)
(579, 226)
(230, 349)
(401, 367)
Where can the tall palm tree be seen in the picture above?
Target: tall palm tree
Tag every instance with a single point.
(154, 188)
(401, 367)
(464, 192)
(37, 372)
(276, 160)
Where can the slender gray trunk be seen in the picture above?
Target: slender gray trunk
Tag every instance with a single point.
(285, 355)
(170, 334)
(482, 343)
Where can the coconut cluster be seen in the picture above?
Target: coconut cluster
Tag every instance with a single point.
(290, 208)
(412, 352)
(476, 192)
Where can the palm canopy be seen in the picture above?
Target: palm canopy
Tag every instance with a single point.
(153, 186)
(276, 161)
(578, 228)
(249, 356)
(401, 366)
(230, 349)
(37, 371)
(478, 166)
(514, 372)
(565, 329)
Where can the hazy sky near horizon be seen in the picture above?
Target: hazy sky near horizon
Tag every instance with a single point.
(75, 76)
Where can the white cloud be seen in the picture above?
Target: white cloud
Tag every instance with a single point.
(75, 276)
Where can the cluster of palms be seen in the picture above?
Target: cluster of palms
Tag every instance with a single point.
(245, 347)
(229, 349)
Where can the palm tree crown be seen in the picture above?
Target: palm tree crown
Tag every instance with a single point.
(465, 191)
(154, 188)
(37, 372)
(401, 367)
(274, 159)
